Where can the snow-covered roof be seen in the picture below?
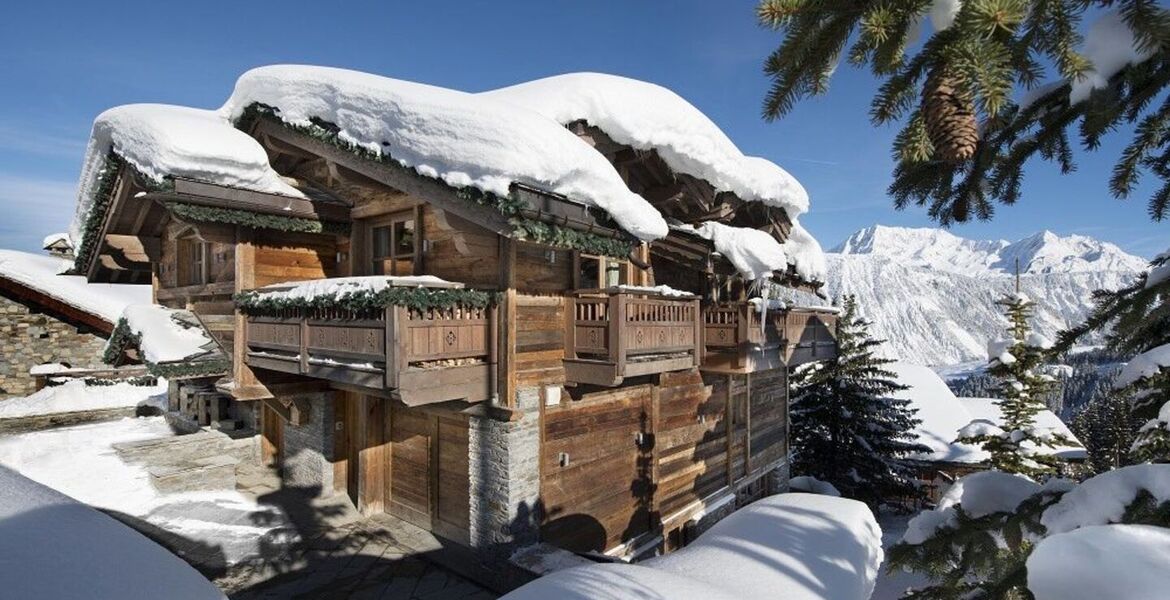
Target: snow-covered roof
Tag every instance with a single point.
(646, 116)
(40, 273)
(463, 139)
(54, 547)
(941, 413)
(755, 254)
(988, 410)
(339, 288)
(167, 335)
(161, 140)
(54, 239)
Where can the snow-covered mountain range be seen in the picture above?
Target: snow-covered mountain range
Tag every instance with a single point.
(932, 294)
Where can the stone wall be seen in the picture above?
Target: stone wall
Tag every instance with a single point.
(308, 448)
(504, 468)
(29, 338)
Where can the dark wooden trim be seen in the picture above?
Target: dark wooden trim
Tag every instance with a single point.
(433, 192)
(24, 293)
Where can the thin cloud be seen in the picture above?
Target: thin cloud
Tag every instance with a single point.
(23, 141)
(32, 209)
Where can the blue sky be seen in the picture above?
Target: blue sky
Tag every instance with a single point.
(63, 63)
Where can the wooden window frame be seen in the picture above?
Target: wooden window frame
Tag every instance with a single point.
(389, 220)
(602, 262)
(193, 261)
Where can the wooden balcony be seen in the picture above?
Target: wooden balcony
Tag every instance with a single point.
(617, 333)
(737, 339)
(420, 357)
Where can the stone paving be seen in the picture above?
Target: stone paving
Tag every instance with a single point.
(342, 555)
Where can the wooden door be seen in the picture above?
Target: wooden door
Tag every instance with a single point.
(412, 473)
(597, 469)
(272, 437)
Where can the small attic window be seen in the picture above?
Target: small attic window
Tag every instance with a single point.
(193, 261)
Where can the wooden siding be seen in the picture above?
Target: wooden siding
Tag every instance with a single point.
(700, 435)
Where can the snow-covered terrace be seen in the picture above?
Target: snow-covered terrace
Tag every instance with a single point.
(172, 342)
(489, 143)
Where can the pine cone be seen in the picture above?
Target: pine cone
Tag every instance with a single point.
(950, 117)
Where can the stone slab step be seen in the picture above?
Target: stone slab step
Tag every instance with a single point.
(207, 473)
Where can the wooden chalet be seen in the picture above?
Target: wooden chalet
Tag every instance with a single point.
(581, 405)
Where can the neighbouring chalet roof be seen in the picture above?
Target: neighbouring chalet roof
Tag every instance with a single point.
(57, 241)
(986, 408)
(35, 278)
(460, 138)
(943, 415)
(646, 116)
(172, 343)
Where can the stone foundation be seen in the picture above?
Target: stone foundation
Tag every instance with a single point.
(778, 479)
(29, 338)
(504, 468)
(308, 448)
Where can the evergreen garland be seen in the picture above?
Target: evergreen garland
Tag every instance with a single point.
(140, 381)
(232, 216)
(102, 197)
(256, 302)
(509, 206)
(847, 429)
(123, 338)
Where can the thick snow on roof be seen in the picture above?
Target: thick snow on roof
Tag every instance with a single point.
(55, 238)
(987, 409)
(941, 413)
(40, 273)
(167, 335)
(789, 546)
(463, 139)
(1107, 561)
(161, 140)
(646, 116)
(53, 547)
(754, 253)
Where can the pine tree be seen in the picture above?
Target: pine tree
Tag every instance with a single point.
(1022, 387)
(1106, 427)
(847, 429)
(967, 130)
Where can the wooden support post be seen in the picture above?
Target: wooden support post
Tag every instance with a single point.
(697, 317)
(570, 327)
(507, 327)
(245, 257)
(393, 343)
(747, 436)
(729, 420)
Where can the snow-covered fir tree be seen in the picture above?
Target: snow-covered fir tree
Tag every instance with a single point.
(847, 429)
(1016, 364)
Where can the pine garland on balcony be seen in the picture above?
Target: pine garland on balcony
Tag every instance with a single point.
(232, 216)
(415, 298)
(527, 229)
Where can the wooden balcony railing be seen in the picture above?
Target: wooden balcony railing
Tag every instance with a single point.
(423, 356)
(617, 333)
(734, 338)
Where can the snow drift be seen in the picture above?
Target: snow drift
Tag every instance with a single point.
(52, 546)
(784, 547)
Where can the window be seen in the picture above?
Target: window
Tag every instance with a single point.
(595, 272)
(392, 245)
(194, 257)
